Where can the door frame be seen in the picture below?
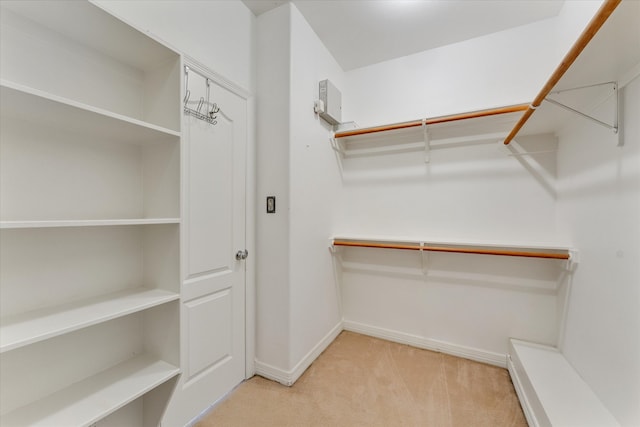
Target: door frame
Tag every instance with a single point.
(250, 207)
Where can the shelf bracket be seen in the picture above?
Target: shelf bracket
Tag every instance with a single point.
(613, 126)
(427, 142)
(424, 259)
(574, 260)
(335, 145)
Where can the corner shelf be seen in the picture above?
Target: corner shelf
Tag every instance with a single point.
(94, 398)
(34, 326)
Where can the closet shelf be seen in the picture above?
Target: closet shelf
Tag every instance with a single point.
(471, 127)
(86, 223)
(529, 251)
(590, 62)
(34, 326)
(92, 399)
(434, 121)
(33, 105)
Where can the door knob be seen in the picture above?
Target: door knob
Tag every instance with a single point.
(240, 255)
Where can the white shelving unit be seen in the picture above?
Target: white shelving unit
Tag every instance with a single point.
(31, 327)
(89, 218)
(86, 402)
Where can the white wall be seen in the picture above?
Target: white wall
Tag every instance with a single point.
(469, 193)
(272, 240)
(219, 34)
(466, 304)
(314, 186)
(599, 210)
(472, 192)
(297, 296)
(499, 69)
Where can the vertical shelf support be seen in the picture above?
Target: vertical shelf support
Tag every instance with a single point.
(427, 142)
(424, 258)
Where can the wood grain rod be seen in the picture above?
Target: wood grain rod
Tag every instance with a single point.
(434, 121)
(592, 28)
(465, 250)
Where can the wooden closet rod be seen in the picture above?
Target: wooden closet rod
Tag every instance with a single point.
(467, 250)
(434, 121)
(592, 28)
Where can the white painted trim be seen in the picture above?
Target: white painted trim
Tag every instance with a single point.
(288, 378)
(250, 204)
(272, 373)
(250, 241)
(216, 77)
(470, 353)
(529, 413)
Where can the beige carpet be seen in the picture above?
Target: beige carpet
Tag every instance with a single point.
(364, 381)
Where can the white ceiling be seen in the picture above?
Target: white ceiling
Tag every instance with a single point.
(364, 32)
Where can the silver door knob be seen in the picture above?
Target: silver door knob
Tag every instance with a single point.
(240, 255)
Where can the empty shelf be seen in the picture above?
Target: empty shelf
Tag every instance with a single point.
(92, 399)
(25, 103)
(28, 328)
(86, 223)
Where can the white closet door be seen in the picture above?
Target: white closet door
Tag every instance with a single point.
(213, 312)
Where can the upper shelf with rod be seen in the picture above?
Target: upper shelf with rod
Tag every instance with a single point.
(604, 58)
(478, 248)
(491, 124)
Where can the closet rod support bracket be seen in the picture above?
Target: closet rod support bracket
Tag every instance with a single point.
(336, 146)
(427, 142)
(613, 127)
(574, 259)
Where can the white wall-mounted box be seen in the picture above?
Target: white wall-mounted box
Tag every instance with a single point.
(332, 99)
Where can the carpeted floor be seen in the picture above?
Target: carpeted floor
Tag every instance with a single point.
(364, 381)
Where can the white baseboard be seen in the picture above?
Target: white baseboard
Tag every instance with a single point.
(288, 378)
(483, 356)
(518, 385)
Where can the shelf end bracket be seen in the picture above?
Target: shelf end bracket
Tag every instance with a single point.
(574, 259)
